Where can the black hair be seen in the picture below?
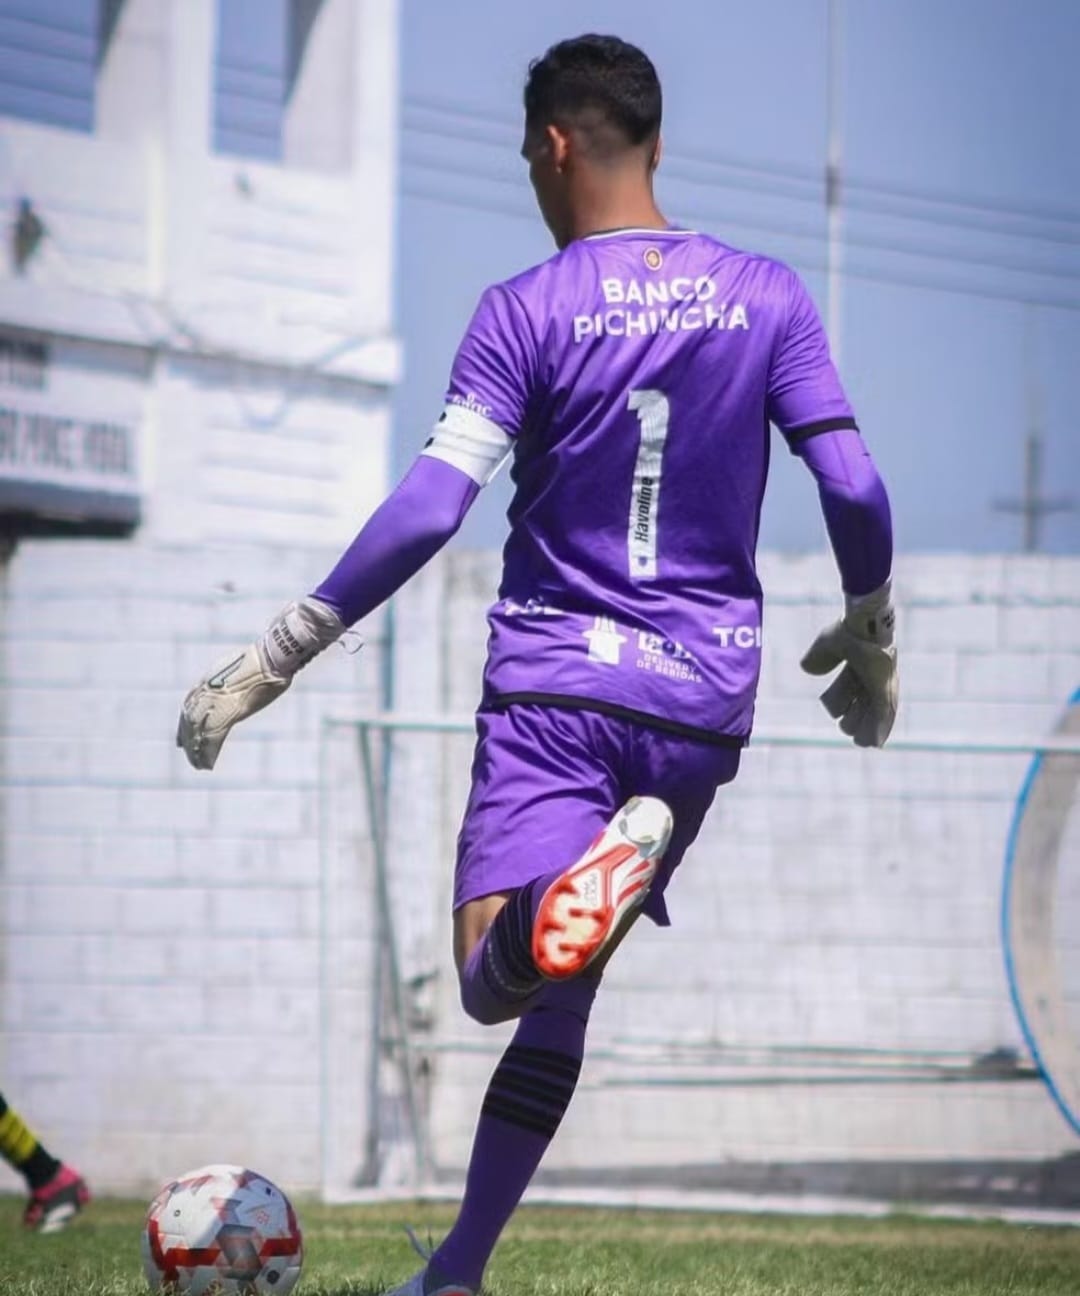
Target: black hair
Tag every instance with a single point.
(595, 83)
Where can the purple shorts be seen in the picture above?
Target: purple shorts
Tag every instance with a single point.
(546, 781)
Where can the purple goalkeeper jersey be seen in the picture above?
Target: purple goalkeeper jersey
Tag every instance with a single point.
(637, 372)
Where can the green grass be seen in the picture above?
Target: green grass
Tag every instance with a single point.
(357, 1251)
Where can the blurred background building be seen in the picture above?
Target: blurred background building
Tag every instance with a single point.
(196, 360)
(207, 250)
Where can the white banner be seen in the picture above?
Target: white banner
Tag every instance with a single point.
(68, 442)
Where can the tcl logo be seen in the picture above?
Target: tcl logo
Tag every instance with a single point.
(738, 636)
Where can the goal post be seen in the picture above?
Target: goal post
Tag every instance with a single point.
(1034, 855)
(827, 1016)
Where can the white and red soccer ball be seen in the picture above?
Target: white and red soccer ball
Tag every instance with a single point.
(222, 1229)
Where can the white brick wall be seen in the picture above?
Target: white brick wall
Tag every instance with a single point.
(162, 929)
(835, 899)
(161, 963)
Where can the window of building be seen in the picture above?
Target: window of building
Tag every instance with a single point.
(251, 74)
(49, 52)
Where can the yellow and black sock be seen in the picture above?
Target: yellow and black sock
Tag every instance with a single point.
(20, 1147)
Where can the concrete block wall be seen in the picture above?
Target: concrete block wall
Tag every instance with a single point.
(841, 901)
(188, 960)
(161, 928)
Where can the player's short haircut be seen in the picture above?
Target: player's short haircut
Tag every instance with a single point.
(600, 85)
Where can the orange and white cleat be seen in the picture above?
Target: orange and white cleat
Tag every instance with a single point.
(587, 910)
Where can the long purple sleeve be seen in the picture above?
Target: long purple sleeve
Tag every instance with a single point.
(409, 527)
(855, 505)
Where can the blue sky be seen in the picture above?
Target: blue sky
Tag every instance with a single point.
(961, 309)
(963, 233)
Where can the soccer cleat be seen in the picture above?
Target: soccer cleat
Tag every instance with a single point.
(415, 1287)
(53, 1206)
(429, 1276)
(587, 910)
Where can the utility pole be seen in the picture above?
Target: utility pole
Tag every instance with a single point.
(1033, 505)
(834, 172)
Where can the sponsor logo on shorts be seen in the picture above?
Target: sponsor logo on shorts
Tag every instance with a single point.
(662, 656)
(605, 641)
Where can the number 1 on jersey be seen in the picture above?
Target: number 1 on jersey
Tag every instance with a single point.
(651, 408)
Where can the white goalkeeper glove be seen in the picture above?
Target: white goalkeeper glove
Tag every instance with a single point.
(864, 696)
(245, 682)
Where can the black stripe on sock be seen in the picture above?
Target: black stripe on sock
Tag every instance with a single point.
(520, 1115)
(552, 1093)
(554, 1083)
(540, 1102)
(550, 1060)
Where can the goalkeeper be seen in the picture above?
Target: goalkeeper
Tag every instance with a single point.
(631, 379)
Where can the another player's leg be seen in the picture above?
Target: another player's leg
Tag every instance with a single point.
(526, 1099)
(57, 1192)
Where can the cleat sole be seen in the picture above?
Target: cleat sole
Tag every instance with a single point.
(589, 908)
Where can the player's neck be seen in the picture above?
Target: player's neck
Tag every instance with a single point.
(615, 206)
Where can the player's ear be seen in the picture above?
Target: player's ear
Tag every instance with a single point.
(558, 142)
(657, 151)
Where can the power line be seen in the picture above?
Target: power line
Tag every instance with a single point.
(472, 203)
(789, 170)
(795, 174)
(984, 224)
(768, 224)
(500, 123)
(951, 198)
(674, 165)
(682, 169)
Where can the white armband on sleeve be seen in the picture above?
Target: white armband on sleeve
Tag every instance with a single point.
(470, 442)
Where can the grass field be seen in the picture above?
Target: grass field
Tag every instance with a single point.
(357, 1251)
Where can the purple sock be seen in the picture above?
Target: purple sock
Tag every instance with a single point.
(500, 978)
(525, 1101)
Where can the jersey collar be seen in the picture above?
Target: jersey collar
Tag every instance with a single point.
(672, 230)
